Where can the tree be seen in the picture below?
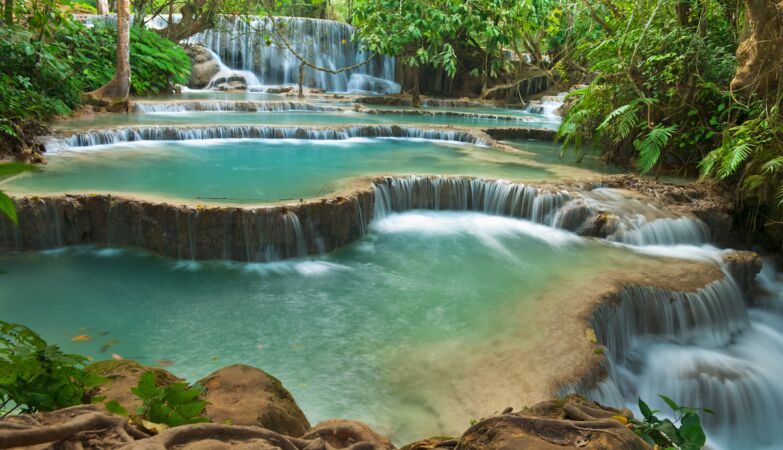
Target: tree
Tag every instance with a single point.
(117, 90)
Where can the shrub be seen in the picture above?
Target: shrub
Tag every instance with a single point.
(36, 376)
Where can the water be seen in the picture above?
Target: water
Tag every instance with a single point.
(303, 118)
(549, 153)
(258, 170)
(345, 332)
(242, 44)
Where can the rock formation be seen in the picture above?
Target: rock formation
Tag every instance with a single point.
(248, 396)
(204, 66)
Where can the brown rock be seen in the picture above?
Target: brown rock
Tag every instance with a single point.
(554, 426)
(204, 66)
(342, 433)
(123, 375)
(743, 266)
(248, 396)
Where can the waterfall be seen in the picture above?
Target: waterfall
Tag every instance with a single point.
(173, 133)
(548, 106)
(250, 44)
(295, 243)
(228, 106)
(467, 194)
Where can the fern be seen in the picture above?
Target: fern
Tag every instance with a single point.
(650, 147)
(733, 158)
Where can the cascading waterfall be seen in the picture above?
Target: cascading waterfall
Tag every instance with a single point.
(704, 349)
(228, 106)
(166, 133)
(548, 106)
(467, 194)
(242, 43)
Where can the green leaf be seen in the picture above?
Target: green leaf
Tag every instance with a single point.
(146, 388)
(8, 208)
(647, 413)
(114, 407)
(672, 404)
(692, 432)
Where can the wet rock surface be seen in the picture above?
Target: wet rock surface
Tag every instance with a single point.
(204, 66)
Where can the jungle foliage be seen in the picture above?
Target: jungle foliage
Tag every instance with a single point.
(36, 376)
(49, 61)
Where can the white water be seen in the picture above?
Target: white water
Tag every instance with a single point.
(548, 106)
(252, 44)
(165, 133)
(707, 349)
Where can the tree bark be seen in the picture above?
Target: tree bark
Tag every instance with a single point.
(760, 55)
(116, 91)
(102, 7)
(8, 17)
(416, 96)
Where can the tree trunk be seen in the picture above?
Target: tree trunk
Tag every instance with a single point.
(102, 7)
(416, 96)
(9, 12)
(116, 91)
(301, 81)
(760, 55)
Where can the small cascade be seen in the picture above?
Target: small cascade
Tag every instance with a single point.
(173, 133)
(664, 231)
(467, 194)
(242, 45)
(548, 106)
(360, 83)
(226, 76)
(710, 316)
(295, 244)
(228, 106)
(631, 221)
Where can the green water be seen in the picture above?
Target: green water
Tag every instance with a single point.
(550, 153)
(340, 331)
(258, 170)
(308, 118)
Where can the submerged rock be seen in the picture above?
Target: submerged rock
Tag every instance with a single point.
(345, 433)
(244, 395)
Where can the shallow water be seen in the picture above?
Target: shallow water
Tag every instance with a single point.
(345, 332)
(288, 118)
(259, 170)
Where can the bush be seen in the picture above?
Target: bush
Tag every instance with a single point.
(36, 376)
(35, 85)
(43, 78)
(156, 63)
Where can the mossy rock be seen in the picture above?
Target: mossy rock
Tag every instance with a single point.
(244, 395)
(433, 443)
(122, 375)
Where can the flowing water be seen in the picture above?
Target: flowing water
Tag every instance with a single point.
(291, 118)
(259, 170)
(261, 46)
(346, 332)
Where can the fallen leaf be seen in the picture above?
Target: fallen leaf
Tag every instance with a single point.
(621, 419)
(109, 344)
(156, 428)
(116, 357)
(165, 362)
(81, 338)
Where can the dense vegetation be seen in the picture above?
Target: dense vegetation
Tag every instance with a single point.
(46, 67)
(659, 96)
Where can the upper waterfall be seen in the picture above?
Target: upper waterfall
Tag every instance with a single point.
(252, 44)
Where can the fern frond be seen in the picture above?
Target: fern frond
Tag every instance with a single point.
(650, 147)
(734, 157)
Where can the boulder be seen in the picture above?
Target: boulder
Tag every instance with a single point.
(244, 395)
(743, 267)
(204, 66)
(123, 375)
(343, 433)
(555, 425)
